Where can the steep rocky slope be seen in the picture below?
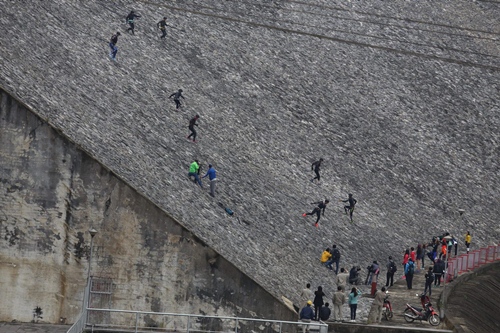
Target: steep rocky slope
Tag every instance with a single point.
(399, 98)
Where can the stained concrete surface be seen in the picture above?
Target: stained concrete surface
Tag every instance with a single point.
(32, 328)
(401, 98)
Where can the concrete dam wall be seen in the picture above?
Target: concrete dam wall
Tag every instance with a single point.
(400, 98)
(52, 192)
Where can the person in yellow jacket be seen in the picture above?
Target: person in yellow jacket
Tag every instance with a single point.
(468, 238)
(325, 258)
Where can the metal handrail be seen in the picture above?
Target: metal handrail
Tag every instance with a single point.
(136, 328)
(80, 323)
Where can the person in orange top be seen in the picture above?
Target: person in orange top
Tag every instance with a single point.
(325, 258)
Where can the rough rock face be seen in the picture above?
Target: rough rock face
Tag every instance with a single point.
(399, 98)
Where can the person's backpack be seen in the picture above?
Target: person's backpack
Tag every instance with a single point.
(430, 277)
(393, 267)
(411, 267)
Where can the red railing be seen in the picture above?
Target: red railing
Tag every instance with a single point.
(472, 260)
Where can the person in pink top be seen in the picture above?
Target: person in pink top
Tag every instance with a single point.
(406, 257)
(413, 254)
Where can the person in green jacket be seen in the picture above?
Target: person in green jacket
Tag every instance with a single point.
(194, 172)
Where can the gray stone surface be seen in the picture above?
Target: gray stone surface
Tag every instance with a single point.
(400, 98)
(32, 328)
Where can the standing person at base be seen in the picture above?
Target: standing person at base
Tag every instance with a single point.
(468, 238)
(318, 301)
(375, 315)
(130, 19)
(350, 209)
(316, 167)
(338, 301)
(391, 269)
(353, 302)
(306, 294)
(409, 271)
(342, 279)
(429, 278)
(317, 210)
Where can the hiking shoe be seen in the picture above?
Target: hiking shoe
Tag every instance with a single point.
(316, 225)
(304, 214)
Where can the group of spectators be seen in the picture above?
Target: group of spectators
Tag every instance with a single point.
(314, 308)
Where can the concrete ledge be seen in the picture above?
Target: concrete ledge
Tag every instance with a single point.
(360, 328)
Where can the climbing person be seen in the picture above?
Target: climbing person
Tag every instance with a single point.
(391, 269)
(212, 175)
(306, 294)
(194, 172)
(317, 210)
(306, 315)
(192, 124)
(318, 301)
(316, 166)
(375, 314)
(162, 25)
(130, 20)
(409, 271)
(468, 238)
(353, 302)
(350, 209)
(113, 47)
(325, 312)
(335, 258)
(338, 301)
(325, 258)
(429, 278)
(177, 95)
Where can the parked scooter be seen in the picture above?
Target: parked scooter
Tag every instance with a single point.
(387, 308)
(427, 312)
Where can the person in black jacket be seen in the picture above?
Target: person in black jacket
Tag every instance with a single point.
(162, 25)
(130, 20)
(429, 278)
(321, 207)
(352, 203)
(316, 166)
(112, 46)
(177, 95)
(192, 124)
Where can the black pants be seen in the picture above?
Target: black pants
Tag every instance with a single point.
(317, 175)
(389, 278)
(193, 133)
(163, 33)
(351, 210)
(437, 279)
(353, 310)
(177, 103)
(132, 27)
(409, 281)
(318, 213)
(428, 285)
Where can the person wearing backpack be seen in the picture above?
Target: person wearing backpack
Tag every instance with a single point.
(429, 278)
(391, 269)
(409, 271)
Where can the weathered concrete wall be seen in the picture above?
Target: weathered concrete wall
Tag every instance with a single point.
(51, 193)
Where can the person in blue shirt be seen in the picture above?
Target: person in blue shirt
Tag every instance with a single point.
(306, 315)
(211, 173)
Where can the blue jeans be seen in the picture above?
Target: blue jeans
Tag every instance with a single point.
(196, 177)
(113, 51)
